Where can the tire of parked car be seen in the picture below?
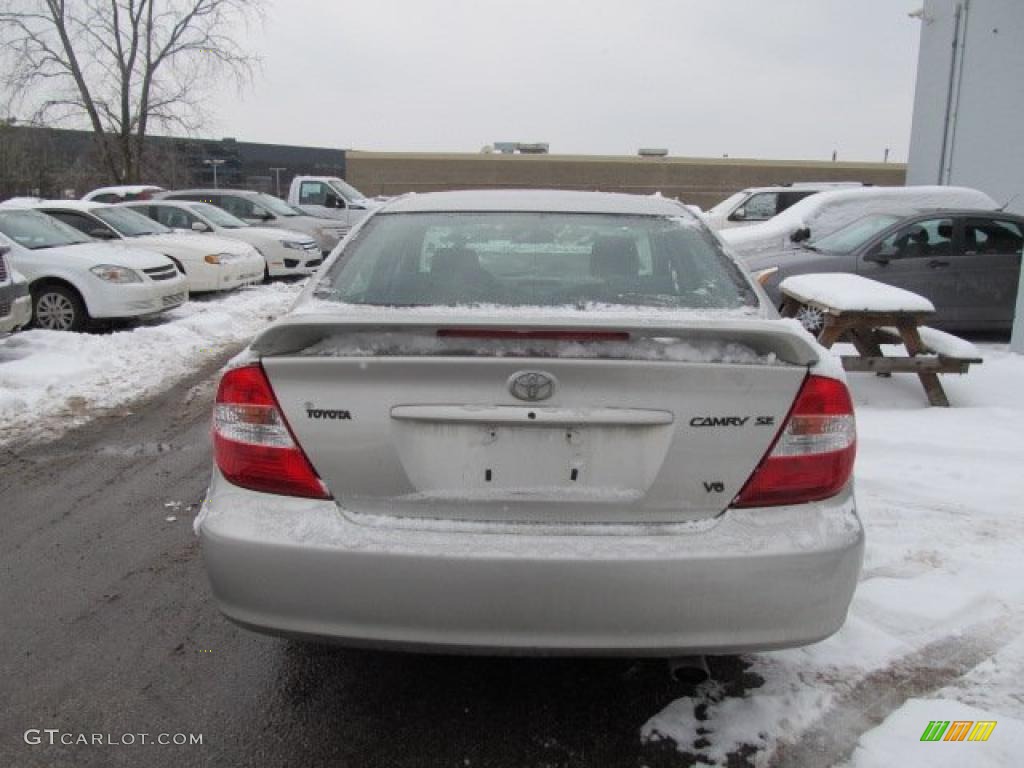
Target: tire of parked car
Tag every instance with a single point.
(811, 318)
(58, 308)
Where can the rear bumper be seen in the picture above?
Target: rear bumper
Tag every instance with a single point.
(749, 580)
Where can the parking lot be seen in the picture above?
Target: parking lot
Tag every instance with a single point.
(115, 631)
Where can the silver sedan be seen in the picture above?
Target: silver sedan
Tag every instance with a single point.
(534, 422)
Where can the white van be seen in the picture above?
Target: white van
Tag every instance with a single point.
(825, 212)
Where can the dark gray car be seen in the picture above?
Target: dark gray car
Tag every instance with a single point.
(967, 262)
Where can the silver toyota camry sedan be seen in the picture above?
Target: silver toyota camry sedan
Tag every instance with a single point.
(534, 422)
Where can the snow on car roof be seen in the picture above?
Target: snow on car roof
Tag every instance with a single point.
(70, 205)
(537, 200)
(124, 189)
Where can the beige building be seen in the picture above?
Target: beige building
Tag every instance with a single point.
(699, 181)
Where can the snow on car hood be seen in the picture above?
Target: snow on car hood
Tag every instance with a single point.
(274, 233)
(191, 242)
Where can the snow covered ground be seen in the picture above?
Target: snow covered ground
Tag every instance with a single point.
(50, 380)
(935, 629)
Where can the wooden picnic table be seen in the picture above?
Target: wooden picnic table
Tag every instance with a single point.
(867, 314)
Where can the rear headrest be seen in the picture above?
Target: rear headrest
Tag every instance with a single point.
(454, 260)
(946, 231)
(614, 256)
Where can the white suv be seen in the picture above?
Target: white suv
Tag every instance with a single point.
(209, 263)
(15, 303)
(285, 251)
(73, 279)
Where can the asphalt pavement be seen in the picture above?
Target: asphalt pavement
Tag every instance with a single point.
(109, 632)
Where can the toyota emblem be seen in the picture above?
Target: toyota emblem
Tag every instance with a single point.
(532, 385)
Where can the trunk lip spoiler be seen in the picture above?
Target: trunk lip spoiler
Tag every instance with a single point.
(786, 338)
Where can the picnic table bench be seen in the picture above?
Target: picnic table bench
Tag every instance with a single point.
(867, 314)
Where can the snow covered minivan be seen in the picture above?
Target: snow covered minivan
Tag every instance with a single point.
(534, 422)
(825, 212)
(73, 279)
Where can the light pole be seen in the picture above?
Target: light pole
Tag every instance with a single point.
(214, 164)
(277, 175)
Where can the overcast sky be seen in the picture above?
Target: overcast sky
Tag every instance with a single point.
(750, 78)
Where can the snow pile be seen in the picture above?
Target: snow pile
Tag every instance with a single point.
(938, 615)
(51, 380)
(851, 293)
(368, 343)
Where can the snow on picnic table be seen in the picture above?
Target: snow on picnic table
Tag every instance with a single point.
(50, 380)
(939, 491)
(851, 293)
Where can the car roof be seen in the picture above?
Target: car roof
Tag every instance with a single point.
(536, 201)
(205, 191)
(806, 186)
(128, 189)
(71, 205)
(987, 213)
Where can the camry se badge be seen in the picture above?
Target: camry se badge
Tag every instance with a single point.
(532, 385)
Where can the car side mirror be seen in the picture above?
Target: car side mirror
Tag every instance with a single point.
(800, 235)
(877, 257)
(101, 233)
(198, 226)
(333, 202)
(740, 214)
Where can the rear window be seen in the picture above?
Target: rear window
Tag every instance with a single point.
(523, 259)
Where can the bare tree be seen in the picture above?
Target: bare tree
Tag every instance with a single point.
(123, 65)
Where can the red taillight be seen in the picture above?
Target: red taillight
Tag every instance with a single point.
(812, 456)
(252, 444)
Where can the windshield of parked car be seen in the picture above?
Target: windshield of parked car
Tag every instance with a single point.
(346, 190)
(273, 204)
(218, 216)
(855, 234)
(35, 230)
(535, 259)
(129, 223)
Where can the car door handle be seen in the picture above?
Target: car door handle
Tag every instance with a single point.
(938, 263)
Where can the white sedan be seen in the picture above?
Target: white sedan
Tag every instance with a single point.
(286, 251)
(74, 279)
(534, 422)
(209, 263)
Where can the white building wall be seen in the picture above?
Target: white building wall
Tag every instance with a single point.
(971, 99)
